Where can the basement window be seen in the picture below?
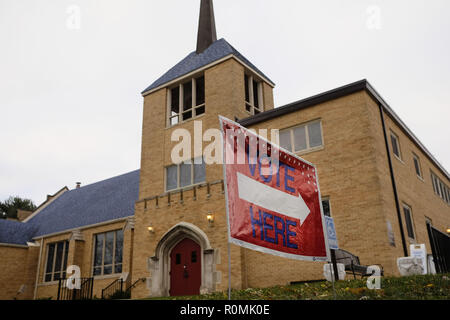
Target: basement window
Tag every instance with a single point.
(56, 265)
(186, 101)
(253, 95)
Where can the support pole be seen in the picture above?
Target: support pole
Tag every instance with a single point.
(229, 271)
(333, 261)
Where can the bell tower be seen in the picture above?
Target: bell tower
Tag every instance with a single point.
(213, 80)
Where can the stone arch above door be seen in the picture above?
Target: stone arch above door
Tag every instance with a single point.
(159, 266)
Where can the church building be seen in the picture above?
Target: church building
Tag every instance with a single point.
(162, 230)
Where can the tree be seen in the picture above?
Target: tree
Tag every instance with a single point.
(9, 207)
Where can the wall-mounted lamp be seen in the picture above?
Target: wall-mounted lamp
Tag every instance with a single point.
(448, 231)
(210, 218)
(151, 230)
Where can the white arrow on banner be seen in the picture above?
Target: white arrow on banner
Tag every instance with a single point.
(272, 199)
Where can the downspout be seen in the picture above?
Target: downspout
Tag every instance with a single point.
(38, 269)
(394, 185)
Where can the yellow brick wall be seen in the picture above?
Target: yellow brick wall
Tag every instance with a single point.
(15, 272)
(81, 254)
(416, 192)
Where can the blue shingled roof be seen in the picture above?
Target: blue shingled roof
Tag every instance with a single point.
(218, 50)
(99, 202)
(15, 232)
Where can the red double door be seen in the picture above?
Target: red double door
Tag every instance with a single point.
(185, 268)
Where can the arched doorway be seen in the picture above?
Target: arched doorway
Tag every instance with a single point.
(160, 265)
(185, 268)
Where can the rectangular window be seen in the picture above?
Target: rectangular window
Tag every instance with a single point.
(186, 101)
(253, 95)
(326, 207)
(408, 221)
(185, 174)
(56, 261)
(395, 145)
(440, 188)
(302, 138)
(108, 253)
(417, 166)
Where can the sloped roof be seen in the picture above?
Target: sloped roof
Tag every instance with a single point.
(335, 94)
(15, 232)
(103, 201)
(218, 50)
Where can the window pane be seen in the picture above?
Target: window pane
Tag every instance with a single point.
(315, 135)
(187, 96)
(408, 221)
(417, 166)
(97, 271)
(98, 250)
(248, 107)
(66, 253)
(119, 246)
(300, 138)
(172, 176)
(255, 94)
(200, 111)
(118, 268)
(395, 146)
(59, 255)
(185, 175)
(48, 277)
(51, 252)
(200, 90)
(194, 256)
(175, 92)
(199, 172)
(109, 246)
(285, 140)
(107, 269)
(247, 90)
(174, 120)
(187, 115)
(326, 208)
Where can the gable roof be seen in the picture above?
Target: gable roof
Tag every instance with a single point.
(99, 202)
(194, 61)
(338, 93)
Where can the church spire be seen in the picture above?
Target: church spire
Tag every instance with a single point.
(206, 26)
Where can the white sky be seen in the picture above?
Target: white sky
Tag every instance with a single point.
(70, 103)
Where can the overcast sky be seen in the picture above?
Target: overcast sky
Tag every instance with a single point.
(71, 72)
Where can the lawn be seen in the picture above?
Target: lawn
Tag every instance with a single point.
(428, 287)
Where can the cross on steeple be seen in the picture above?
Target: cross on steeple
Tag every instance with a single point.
(206, 27)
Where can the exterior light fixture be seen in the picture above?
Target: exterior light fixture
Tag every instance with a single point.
(151, 229)
(448, 230)
(210, 218)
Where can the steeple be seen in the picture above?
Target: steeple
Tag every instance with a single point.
(206, 27)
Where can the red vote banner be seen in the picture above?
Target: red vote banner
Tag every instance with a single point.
(272, 197)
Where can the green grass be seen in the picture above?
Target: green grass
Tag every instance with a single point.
(428, 287)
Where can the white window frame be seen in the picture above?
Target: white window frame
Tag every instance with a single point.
(416, 158)
(194, 106)
(397, 140)
(66, 243)
(251, 95)
(113, 264)
(192, 162)
(308, 147)
(405, 206)
(440, 188)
